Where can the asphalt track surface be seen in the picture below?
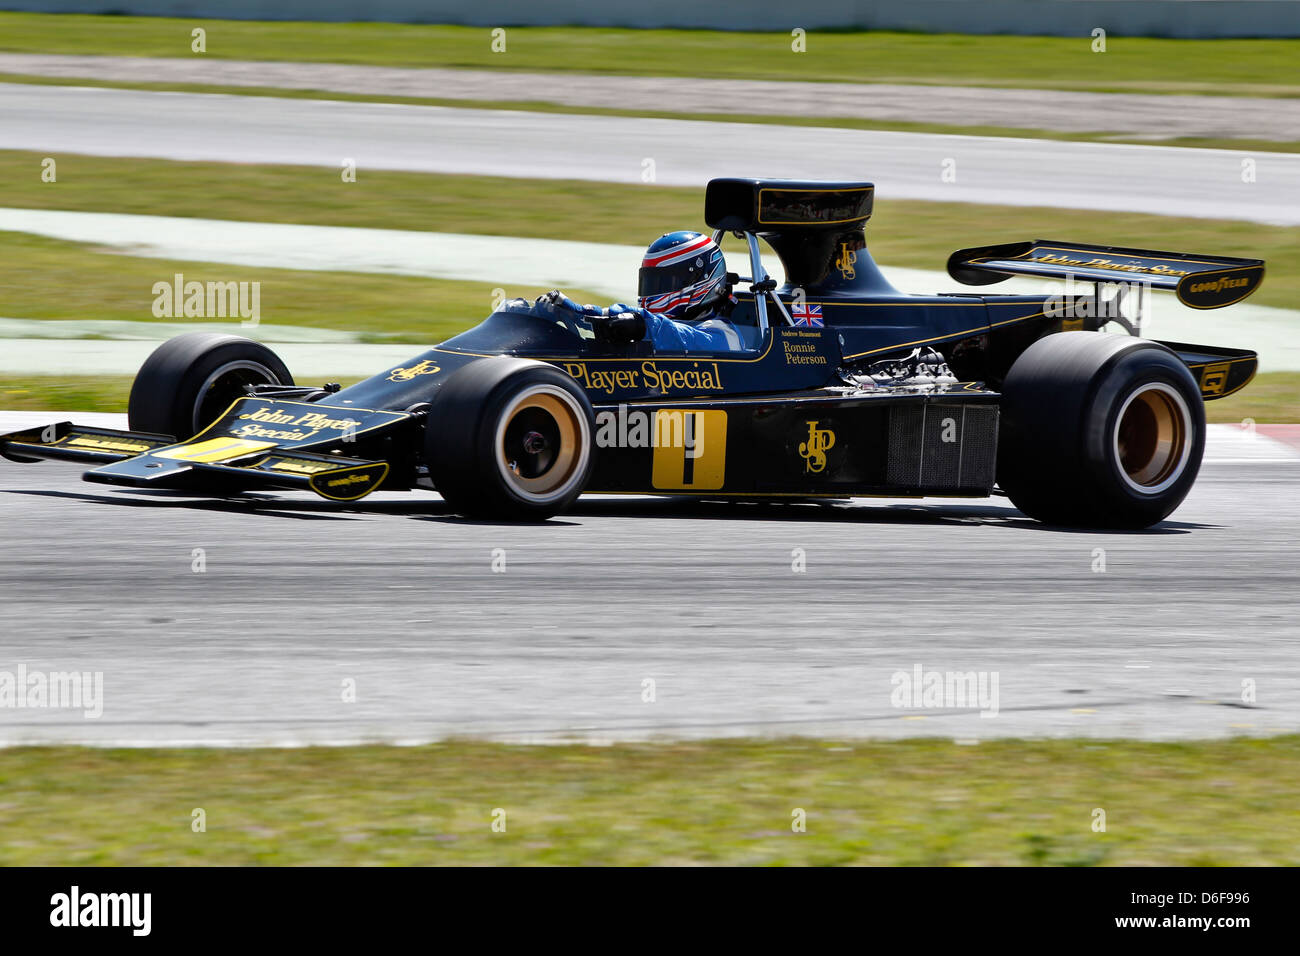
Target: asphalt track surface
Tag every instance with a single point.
(299, 596)
(187, 126)
(1153, 116)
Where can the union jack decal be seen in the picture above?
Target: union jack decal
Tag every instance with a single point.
(809, 316)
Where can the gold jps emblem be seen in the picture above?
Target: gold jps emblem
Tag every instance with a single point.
(1214, 378)
(845, 261)
(813, 451)
(406, 374)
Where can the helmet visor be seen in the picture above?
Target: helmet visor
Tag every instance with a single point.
(656, 280)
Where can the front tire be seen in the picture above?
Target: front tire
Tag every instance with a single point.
(191, 379)
(1099, 431)
(510, 438)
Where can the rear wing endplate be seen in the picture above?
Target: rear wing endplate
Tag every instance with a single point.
(1200, 282)
(1218, 371)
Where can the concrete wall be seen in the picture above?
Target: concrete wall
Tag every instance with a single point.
(1178, 18)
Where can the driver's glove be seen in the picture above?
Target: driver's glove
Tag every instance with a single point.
(555, 299)
(618, 328)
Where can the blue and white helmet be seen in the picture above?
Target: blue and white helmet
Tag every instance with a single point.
(681, 274)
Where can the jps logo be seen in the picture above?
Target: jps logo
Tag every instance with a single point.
(845, 262)
(406, 374)
(1214, 378)
(813, 451)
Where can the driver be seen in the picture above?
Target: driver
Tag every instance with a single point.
(684, 299)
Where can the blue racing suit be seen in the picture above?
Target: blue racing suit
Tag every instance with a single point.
(710, 333)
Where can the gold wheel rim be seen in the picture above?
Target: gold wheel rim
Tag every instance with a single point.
(1153, 438)
(565, 437)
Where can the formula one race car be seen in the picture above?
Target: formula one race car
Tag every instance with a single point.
(845, 387)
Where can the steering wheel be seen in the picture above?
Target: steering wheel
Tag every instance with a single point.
(570, 319)
(566, 315)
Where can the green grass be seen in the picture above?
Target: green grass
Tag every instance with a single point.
(78, 393)
(1272, 398)
(483, 205)
(905, 233)
(1220, 67)
(916, 802)
(736, 115)
(65, 393)
(52, 279)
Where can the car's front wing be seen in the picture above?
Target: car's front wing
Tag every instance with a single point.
(256, 444)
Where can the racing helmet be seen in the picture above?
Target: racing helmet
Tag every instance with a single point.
(681, 275)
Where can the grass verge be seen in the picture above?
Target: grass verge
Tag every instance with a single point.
(838, 122)
(1272, 398)
(82, 393)
(913, 802)
(905, 233)
(65, 393)
(52, 279)
(1263, 67)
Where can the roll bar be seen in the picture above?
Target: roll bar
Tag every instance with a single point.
(761, 284)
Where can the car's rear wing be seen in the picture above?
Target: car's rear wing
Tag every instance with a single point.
(1201, 282)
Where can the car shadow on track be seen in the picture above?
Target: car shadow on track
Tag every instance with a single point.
(326, 511)
(639, 507)
(858, 511)
(273, 506)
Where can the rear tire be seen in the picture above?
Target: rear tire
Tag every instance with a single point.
(510, 438)
(1099, 431)
(188, 381)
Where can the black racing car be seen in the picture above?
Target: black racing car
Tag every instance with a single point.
(845, 387)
